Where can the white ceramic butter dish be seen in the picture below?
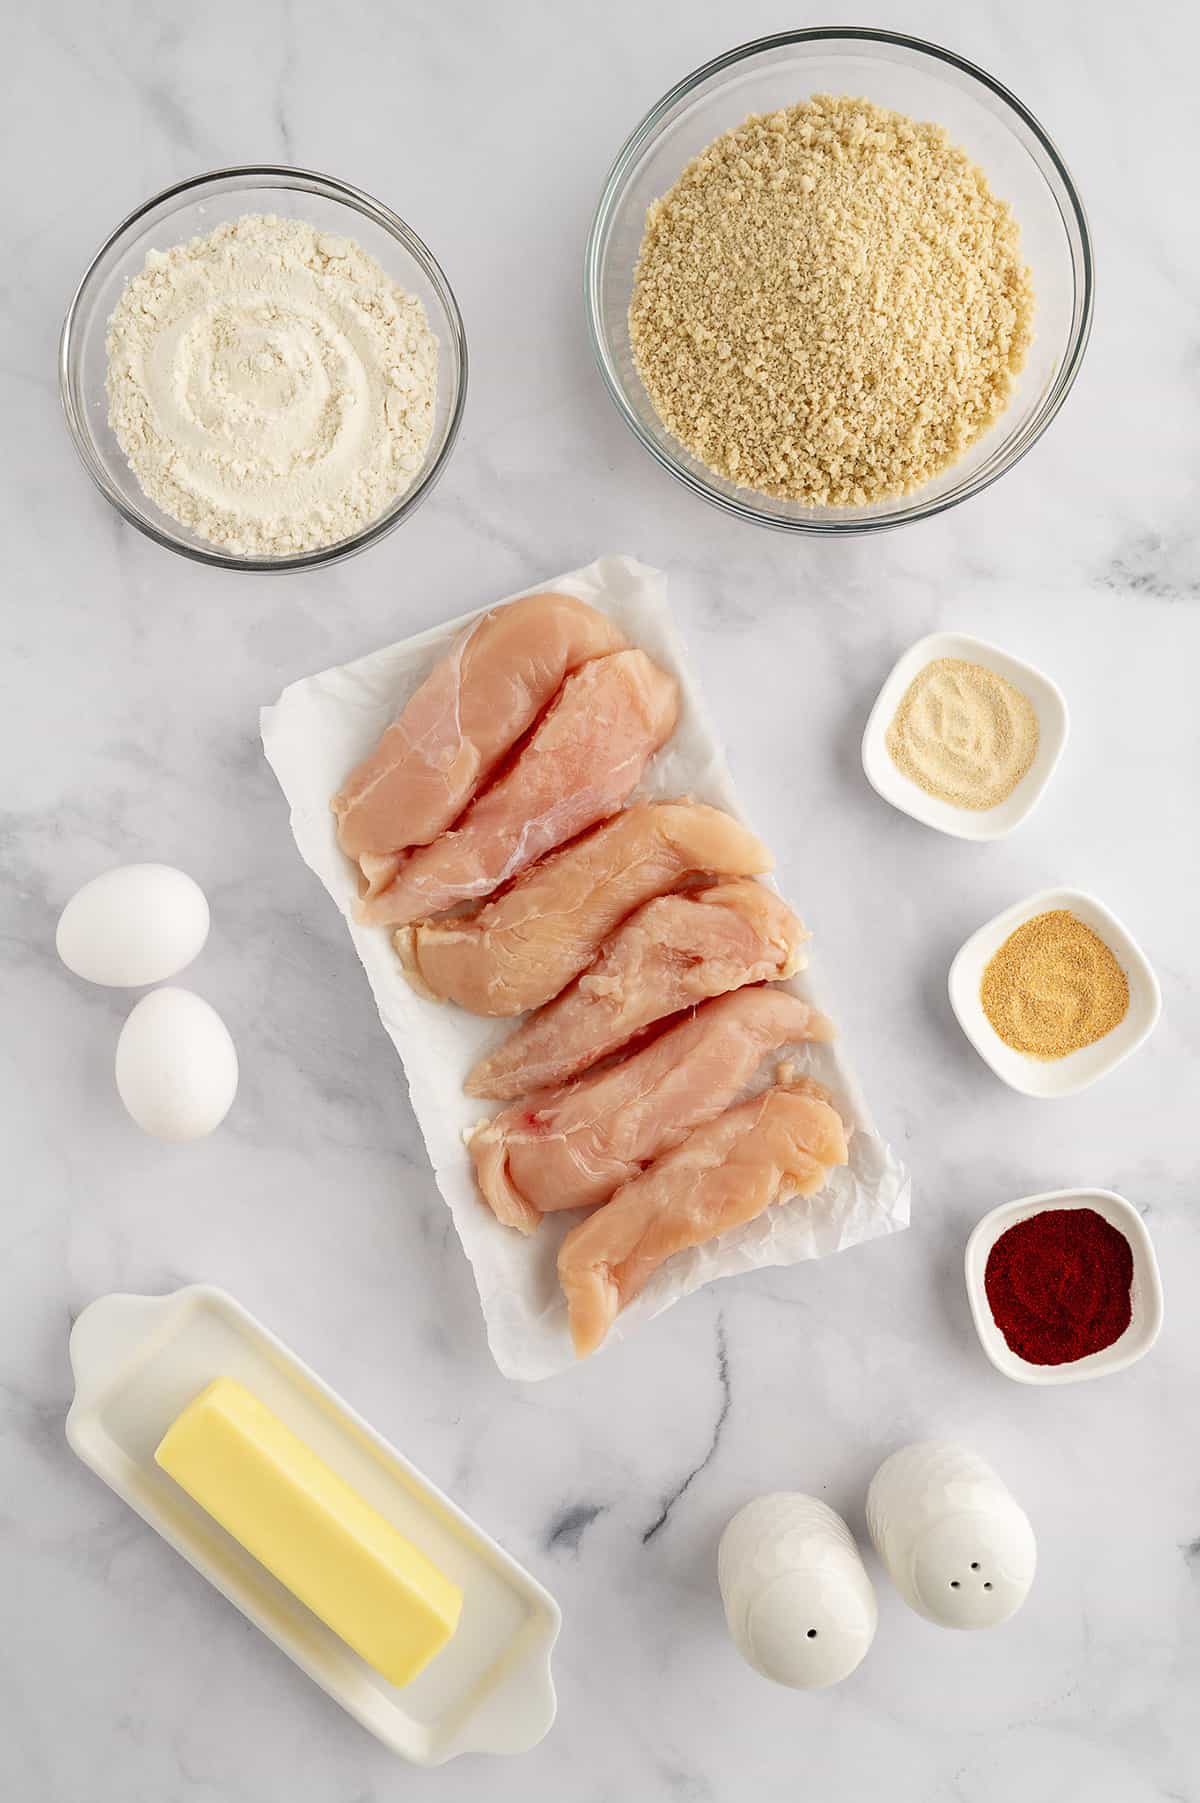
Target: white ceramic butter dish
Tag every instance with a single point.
(1146, 1294)
(139, 1360)
(888, 780)
(1048, 1077)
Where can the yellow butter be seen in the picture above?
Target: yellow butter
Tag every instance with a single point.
(311, 1530)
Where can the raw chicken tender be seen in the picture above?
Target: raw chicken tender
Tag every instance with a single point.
(474, 705)
(580, 763)
(779, 1144)
(571, 1148)
(520, 950)
(674, 952)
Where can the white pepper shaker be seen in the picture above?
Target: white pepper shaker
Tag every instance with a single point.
(956, 1543)
(798, 1601)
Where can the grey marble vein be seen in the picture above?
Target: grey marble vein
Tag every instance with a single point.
(724, 1404)
(283, 83)
(571, 1524)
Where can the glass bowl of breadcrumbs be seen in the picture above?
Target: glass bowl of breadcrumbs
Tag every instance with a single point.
(839, 280)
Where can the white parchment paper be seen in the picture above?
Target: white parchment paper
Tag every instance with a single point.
(315, 733)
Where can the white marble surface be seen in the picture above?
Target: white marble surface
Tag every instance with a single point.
(131, 688)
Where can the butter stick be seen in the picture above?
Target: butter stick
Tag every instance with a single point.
(314, 1533)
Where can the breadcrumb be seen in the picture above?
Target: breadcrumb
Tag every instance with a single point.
(830, 305)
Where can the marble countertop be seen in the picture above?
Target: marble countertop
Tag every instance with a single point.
(132, 682)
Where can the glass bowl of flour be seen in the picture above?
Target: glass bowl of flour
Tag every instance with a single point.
(264, 369)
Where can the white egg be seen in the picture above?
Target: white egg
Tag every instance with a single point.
(139, 923)
(177, 1068)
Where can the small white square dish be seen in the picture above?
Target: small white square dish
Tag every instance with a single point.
(889, 781)
(1043, 1077)
(1146, 1295)
(139, 1360)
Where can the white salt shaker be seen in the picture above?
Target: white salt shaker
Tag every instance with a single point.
(798, 1601)
(956, 1543)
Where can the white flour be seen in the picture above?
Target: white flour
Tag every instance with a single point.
(270, 385)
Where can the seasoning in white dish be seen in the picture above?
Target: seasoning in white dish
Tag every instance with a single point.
(963, 734)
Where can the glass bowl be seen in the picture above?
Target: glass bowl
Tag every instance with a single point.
(916, 78)
(189, 210)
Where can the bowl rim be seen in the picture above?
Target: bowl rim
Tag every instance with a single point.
(301, 181)
(904, 795)
(989, 1228)
(598, 232)
(1121, 942)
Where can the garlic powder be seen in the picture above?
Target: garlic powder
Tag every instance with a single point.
(271, 386)
(963, 734)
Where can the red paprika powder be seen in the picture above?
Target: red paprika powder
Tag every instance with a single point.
(1058, 1285)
